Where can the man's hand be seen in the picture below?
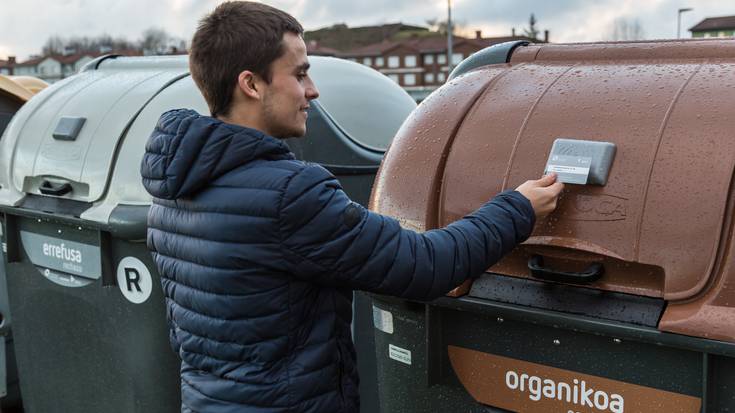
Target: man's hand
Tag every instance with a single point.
(543, 194)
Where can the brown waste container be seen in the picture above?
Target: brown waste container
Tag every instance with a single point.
(656, 332)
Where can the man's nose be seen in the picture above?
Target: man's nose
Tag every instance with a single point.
(311, 91)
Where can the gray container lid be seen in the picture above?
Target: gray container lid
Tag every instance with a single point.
(108, 99)
(121, 101)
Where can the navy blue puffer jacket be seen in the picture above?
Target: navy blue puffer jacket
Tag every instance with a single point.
(259, 253)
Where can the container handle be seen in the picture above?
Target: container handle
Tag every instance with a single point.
(49, 188)
(591, 274)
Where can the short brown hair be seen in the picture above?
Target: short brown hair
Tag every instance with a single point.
(236, 36)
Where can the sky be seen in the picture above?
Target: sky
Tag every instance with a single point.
(27, 24)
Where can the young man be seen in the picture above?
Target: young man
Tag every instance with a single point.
(259, 253)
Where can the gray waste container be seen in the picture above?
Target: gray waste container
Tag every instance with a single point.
(89, 317)
(14, 92)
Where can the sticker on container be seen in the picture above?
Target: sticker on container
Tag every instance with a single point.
(76, 258)
(399, 354)
(134, 280)
(64, 279)
(383, 320)
(569, 169)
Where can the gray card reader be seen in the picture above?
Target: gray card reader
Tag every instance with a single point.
(581, 162)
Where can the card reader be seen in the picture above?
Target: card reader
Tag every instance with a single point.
(581, 162)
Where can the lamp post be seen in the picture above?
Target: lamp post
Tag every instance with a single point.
(678, 22)
(449, 37)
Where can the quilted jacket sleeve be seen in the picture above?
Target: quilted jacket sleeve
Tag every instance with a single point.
(328, 239)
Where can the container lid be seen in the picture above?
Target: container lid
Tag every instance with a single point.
(72, 134)
(13, 89)
(364, 103)
(659, 225)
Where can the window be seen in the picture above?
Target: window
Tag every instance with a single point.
(410, 60)
(394, 78)
(409, 79)
(367, 61)
(429, 59)
(393, 61)
(441, 59)
(379, 61)
(457, 58)
(429, 78)
(440, 77)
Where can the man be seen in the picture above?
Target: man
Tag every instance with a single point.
(259, 253)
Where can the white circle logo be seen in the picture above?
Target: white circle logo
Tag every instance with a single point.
(134, 280)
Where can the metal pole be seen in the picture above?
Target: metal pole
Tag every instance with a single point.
(678, 21)
(449, 37)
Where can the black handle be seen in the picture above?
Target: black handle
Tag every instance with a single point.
(591, 274)
(50, 188)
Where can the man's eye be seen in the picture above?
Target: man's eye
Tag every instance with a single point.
(301, 76)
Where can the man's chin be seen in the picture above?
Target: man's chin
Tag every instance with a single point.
(292, 134)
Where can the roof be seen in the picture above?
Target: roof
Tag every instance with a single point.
(32, 62)
(73, 58)
(313, 48)
(428, 44)
(9, 87)
(715, 23)
(343, 38)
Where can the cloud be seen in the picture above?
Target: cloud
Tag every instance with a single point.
(28, 23)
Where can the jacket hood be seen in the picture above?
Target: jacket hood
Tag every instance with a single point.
(186, 151)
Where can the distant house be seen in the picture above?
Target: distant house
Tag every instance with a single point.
(7, 66)
(53, 68)
(56, 67)
(412, 56)
(421, 61)
(714, 27)
(340, 37)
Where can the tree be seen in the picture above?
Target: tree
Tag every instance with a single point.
(53, 45)
(155, 41)
(532, 31)
(626, 29)
(440, 26)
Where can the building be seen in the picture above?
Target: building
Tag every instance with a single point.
(53, 68)
(414, 57)
(7, 66)
(421, 61)
(56, 67)
(343, 38)
(714, 27)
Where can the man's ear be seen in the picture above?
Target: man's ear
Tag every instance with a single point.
(249, 84)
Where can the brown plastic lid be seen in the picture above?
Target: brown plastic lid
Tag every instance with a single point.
(659, 226)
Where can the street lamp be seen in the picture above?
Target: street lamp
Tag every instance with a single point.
(449, 37)
(678, 24)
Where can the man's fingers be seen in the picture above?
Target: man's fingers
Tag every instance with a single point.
(546, 180)
(556, 188)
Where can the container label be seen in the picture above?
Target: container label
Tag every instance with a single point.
(71, 257)
(399, 354)
(383, 320)
(569, 169)
(134, 280)
(521, 386)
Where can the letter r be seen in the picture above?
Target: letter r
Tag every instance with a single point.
(132, 276)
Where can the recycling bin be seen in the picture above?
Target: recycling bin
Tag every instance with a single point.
(14, 92)
(88, 309)
(622, 299)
